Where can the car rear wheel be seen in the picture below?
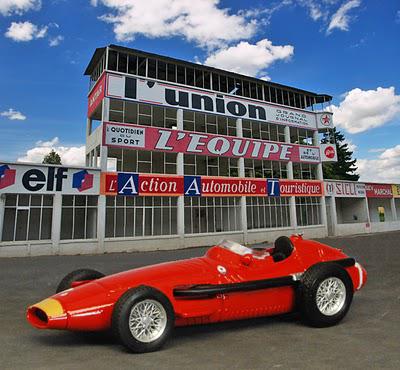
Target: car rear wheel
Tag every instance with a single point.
(143, 319)
(78, 275)
(325, 294)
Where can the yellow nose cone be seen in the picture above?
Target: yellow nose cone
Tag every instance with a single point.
(51, 307)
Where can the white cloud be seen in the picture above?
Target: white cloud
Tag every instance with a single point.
(362, 110)
(384, 168)
(350, 145)
(202, 22)
(13, 115)
(249, 59)
(70, 155)
(9, 7)
(376, 150)
(341, 19)
(25, 31)
(55, 41)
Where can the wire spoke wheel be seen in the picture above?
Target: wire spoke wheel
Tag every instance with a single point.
(331, 296)
(147, 320)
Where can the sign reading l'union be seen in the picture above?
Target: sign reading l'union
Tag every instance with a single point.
(170, 95)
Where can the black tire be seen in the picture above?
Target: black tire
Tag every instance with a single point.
(78, 275)
(122, 311)
(307, 292)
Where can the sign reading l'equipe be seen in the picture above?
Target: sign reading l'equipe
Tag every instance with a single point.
(178, 141)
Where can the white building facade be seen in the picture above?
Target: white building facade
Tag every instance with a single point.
(182, 155)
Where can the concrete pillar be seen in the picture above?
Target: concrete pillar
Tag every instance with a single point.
(56, 223)
(333, 214)
(243, 203)
(104, 149)
(2, 209)
(101, 223)
(393, 207)
(292, 200)
(320, 176)
(180, 171)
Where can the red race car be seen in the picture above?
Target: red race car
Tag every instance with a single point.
(230, 282)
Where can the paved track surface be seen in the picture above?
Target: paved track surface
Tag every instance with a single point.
(369, 336)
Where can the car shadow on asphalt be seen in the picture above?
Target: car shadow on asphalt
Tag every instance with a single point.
(180, 334)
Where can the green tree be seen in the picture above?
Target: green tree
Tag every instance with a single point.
(345, 168)
(52, 158)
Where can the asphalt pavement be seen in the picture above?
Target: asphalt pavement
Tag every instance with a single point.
(368, 337)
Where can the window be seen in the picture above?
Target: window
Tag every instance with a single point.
(171, 72)
(180, 70)
(132, 64)
(265, 169)
(190, 76)
(130, 160)
(308, 211)
(305, 171)
(141, 66)
(151, 68)
(301, 136)
(161, 70)
(27, 217)
(122, 62)
(212, 214)
(79, 217)
(140, 216)
(142, 114)
(112, 60)
(201, 165)
(263, 131)
(267, 212)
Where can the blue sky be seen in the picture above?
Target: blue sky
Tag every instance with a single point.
(348, 49)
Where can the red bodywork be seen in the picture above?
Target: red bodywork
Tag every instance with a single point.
(89, 304)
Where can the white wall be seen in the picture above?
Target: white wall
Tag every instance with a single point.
(374, 203)
(351, 210)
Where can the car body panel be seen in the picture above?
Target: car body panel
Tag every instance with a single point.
(242, 286)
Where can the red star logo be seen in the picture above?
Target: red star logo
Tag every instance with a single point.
(325, 119)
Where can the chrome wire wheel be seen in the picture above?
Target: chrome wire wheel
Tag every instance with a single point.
(331, 296)
(147, 320)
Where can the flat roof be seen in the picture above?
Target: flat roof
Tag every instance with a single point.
(100, 51)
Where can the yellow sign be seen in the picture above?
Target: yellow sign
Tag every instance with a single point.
(396, 191)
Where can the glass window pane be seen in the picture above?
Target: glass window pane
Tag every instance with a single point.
(151, 68)
(112, 60)
(171, 69)
(9, 223)
(181, 74)
(21, 224)
(132, 64)
(34, 224)
(141, 66)
(122, 62)
(161, 70)
(47, 216)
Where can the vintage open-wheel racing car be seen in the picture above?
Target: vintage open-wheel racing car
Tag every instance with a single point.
(230, 282)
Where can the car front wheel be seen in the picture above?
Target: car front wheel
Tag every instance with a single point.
(143, 319)
(325, 294)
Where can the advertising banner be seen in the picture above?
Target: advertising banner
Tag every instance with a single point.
(378, 190)
(30, 178)
(96, 95)
(345, 189)
(324, 120)
(167, 140)
(396, 191)
(302, 188)
(134, 184)
(170, 95)
(328, 152)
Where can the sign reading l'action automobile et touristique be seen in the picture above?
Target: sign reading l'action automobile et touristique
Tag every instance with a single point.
(30, 178)
(171, 95)
(167, 140)
(133, 184)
